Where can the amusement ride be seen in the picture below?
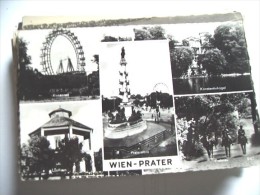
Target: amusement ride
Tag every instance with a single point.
(46, 54)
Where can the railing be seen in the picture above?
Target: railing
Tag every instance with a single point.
(147, 143)
(127, 128)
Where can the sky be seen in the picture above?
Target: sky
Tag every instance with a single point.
(89, 113)
(148, 63)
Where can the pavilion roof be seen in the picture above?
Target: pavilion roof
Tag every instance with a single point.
(60, 121)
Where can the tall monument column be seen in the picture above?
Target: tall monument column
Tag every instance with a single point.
(124, 89)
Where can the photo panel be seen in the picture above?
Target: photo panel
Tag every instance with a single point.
(216, 131)
(58, 64)
(209, 57)
(59, 139)
(137, 105)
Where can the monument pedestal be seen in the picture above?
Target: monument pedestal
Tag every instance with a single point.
(128, 109)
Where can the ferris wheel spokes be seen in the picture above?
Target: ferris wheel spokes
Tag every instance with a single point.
(46, 53)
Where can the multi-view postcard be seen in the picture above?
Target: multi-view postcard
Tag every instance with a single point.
(135, 97)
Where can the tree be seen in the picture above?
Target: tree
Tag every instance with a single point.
(88, 162)
(230, 39)
(24, 60)
(93, 83)
(212, 113)
(207, 40)
(137, 102)
(70, 151)
(96, 59)
(109, 39)
(149, 33)
(124, 39)
(98, 160)
(40, 155)
(157, 32)
(255, 116)
(151, 99)
(25, 156)
(110, 104)
(26, 76)
(166, 100)
(113, 39)
(172, 41)
(213, 61)
(181, 59)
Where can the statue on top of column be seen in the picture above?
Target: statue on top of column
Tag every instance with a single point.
(123, 52)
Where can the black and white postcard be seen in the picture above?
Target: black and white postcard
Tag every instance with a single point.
(135, 97)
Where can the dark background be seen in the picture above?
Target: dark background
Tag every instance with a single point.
(233, 181)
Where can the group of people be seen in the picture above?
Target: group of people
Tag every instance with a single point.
(241, 137)
(189, 138)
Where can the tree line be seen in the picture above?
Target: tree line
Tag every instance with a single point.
(91, 23)
(149, 100)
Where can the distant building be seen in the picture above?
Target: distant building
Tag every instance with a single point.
(200, 45)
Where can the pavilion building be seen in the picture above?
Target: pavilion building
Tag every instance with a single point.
(61, 125)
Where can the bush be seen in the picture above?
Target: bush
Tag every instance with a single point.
(192, 150)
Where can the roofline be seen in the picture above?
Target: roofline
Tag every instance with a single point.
(60, 110)
(34, 132)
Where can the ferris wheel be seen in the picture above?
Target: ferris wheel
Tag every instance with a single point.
(46, 51)
(161, 87)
